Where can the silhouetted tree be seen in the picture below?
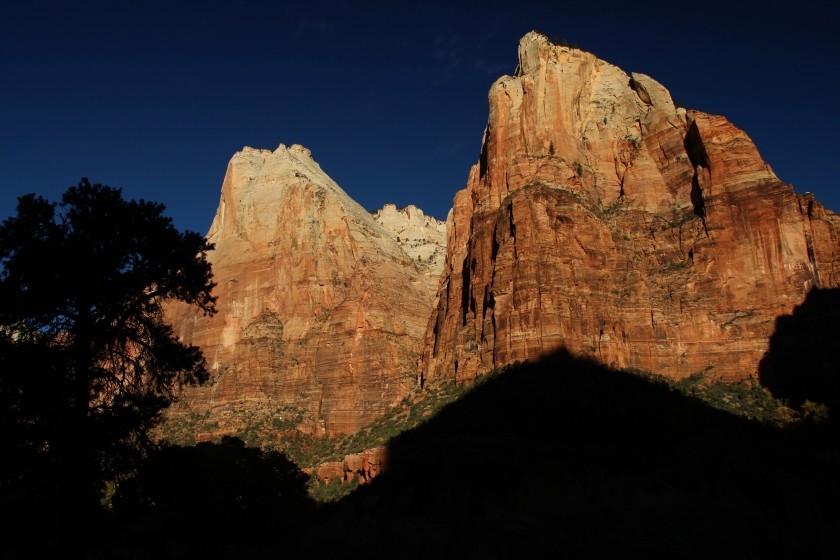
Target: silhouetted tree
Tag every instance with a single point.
(216, 483)
(87, 361)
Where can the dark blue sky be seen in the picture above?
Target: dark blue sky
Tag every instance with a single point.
(390, 98)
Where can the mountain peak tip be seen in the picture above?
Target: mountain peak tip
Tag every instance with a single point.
(296, 149)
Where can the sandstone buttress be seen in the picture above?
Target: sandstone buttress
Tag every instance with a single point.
(321, 312)
(603, 219)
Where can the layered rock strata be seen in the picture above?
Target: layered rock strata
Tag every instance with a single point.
(320, 311)
(604, 219)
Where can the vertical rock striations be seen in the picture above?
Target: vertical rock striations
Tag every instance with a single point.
(321, 313)
(602, 218)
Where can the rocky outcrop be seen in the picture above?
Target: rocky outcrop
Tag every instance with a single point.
(320, 311)
(604, 219)
(422, 237)
(361, 467)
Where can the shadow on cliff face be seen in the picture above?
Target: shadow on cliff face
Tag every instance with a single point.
(561, 456)
(566, 456)
(802, 362)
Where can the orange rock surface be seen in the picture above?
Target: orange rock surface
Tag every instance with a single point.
(603, 219)
(320, 312)
(362, 467)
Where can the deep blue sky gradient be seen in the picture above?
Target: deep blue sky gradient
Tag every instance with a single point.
(391, 98)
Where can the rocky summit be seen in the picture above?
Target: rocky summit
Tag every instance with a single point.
(321, 312)
(422, 237)
(606, 220)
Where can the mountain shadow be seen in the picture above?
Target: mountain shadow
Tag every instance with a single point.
(560, 457)
(802, 362)
(565, 456)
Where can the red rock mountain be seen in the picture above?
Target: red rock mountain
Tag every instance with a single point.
(320, 312)
(602, 218)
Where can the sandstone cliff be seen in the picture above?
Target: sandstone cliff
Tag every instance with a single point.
(361, 467)
(320, 311)
(602, 218)
(422, 237)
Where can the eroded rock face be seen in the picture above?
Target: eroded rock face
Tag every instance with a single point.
(603, 219)
(422, 237)
(320, 311)
(362, 467)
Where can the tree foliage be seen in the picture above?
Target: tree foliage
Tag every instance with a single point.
(213, 482)
(87, 360)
